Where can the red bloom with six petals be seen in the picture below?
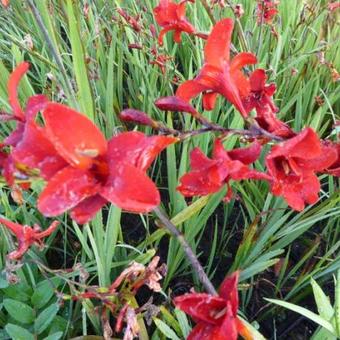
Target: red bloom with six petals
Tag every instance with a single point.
(97, 171)
(210, 175)
(171, 17)
(27, 236)
(219, 75)
(216, 316)
(292, 165)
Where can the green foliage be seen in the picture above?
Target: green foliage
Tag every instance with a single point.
(253, 234)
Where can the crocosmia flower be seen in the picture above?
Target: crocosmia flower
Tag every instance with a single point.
(219, 74)
(333, 6)
(5, 3)
(293, 164)
(96, 170)
(30, 146)
(334, 168)
(171, 17)
(27, 236)
(260, 99)
(215, 316)
(210, 175)
(267, 10)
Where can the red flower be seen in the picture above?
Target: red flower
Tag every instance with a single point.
(334, 168)
(97, 171)
(171, 17)
(266, 11)
(5, 3)
(27, 236)
(260, 99)
(32, 149)
(209, 175)
(292, 165)
(216, 316)
(219, 75)
(333, 6)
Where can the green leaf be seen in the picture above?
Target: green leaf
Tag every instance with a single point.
(45, 318)
(183, 322)
(337, 303)
(19, 311)
(78, 56)
(325, 308)
(43, 292)
(54, 336)
(305, 312)
(18, 333)
(19, 292)
(165, 329)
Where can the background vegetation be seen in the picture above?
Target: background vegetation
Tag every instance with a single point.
(278, 250)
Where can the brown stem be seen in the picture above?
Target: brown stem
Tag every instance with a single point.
(197, 267)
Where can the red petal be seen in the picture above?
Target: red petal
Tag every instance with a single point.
(328, 156)
(202, 331)
(47, 231)
(246, 155)
(203, 307)
(178, 36)
(34, 105)
(297, 193)
(217, 49)
(232, 89)
(228, 291)
(174, 103)
(241, 82)
(190, 89)
(258, 80)
(199, 161)
(136, 149)
(228, 329)
(81, 143)
(65, 190)
(15, 137)
(209, 100)
(180, 11)
(242, 59)
(13, 84)
(86, 209)
(16, 228)
(305, 145)
(36, 152)
(219, 151)
(165, 30)
(131, 189)
(196, 183)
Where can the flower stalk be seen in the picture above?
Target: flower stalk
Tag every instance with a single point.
(197, 267)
